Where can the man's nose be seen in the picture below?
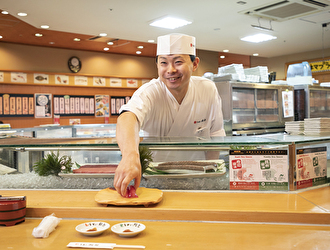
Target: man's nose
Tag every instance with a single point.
(171, 68)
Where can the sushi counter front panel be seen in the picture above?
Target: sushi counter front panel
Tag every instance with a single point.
(258, 163)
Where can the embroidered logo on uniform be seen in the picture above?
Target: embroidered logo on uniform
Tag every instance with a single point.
(196, 122)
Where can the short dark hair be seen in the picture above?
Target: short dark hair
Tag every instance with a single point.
(192, 58)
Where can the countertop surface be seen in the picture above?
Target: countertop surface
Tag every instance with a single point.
(310, 206)
(165, 235)
(182, 220)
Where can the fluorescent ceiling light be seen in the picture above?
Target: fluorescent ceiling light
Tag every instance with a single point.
(21, 14)
(258, 38)
(170, 23)
(5, 12)
(45, 26)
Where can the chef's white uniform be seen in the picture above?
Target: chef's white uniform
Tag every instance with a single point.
(159, 113)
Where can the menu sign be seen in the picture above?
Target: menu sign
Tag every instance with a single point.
(311, 167)
(258, 169)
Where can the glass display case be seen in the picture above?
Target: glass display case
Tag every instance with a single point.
(316, 100)
(251, 108)
(58, 131)
(262, 162)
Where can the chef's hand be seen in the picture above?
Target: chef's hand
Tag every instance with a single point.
(129, 169)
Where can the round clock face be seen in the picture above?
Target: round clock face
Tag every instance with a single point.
(74, 64)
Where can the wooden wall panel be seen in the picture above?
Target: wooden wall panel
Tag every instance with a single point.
(231, 58)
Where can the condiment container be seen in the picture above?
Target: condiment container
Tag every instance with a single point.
(12, 210)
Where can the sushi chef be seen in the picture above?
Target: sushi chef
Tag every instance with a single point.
(174, 104)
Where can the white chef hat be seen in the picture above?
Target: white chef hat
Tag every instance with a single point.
(176, 44)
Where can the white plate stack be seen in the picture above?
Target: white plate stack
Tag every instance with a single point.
(235, 70)
(295, 127)
(317, 126)
(258, 74)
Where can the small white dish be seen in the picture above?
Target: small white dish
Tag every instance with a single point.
(92, 228)
(128, 229)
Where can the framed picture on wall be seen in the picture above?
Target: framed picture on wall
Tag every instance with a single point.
(43, 105)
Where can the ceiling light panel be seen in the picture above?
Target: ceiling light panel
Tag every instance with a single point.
(258, 38)
(170, 23)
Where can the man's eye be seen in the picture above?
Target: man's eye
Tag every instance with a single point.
(178, 62)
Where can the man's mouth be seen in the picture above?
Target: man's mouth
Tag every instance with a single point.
(173, 79)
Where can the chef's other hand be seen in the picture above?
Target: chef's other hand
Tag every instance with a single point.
(129, 168)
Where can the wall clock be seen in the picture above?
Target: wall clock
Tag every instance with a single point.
(74, 64)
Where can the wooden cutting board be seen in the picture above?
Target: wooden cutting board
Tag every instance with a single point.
(146, 196)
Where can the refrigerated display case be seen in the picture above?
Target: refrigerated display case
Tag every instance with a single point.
(317, 100)
(253, 108)
(276, 162)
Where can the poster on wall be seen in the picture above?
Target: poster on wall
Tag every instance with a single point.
(258, 170)
(115, 82)
(2, 77)
(80, 80)
(67, 105)
(43, 105)
(101, 105)
(61, 79)
(18, 77)
(98, 81)
(132, 83)
(15, 105)
(18, 105)
(40, 78)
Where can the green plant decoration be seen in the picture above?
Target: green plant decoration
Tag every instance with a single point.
(145, 157)
(53, 164)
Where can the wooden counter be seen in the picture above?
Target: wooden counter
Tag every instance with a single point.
(183, 220)
(176, 236)
(312, 206)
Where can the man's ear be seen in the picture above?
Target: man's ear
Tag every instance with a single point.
(195, 63)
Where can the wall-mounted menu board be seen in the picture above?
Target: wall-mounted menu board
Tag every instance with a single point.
(69, 105)
(117, 102)
(16, 105)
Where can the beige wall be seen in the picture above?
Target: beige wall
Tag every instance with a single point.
(277, 64)
(208, 62)
(33, 58)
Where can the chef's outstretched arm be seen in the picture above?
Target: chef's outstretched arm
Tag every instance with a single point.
(129, 168)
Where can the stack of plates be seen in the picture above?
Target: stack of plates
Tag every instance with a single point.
(261, 72)
(317, 126)
(295, 127)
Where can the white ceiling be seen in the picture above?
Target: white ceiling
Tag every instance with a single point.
(217, 24)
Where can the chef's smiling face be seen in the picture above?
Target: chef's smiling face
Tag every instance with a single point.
(175, 71)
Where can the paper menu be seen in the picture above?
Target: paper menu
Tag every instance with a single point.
(287, 102)
(311, 166)
(258, 169)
